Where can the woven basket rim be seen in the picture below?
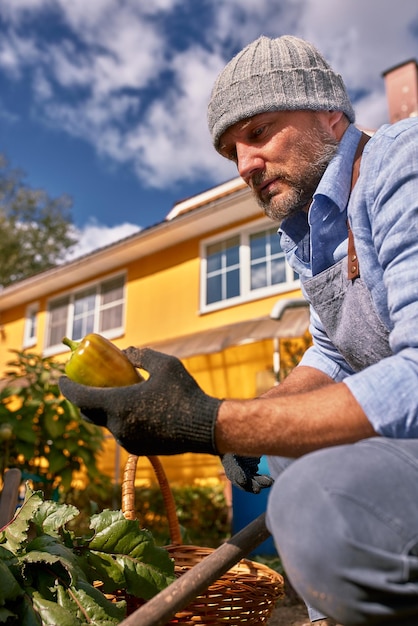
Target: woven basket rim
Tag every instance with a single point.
(245, 594)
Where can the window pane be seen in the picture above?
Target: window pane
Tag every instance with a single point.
(77, 330)
(232, 284)
(232, 251)
(58, 312)
(275, 243)
(84, 303)
(258, 245)
(111, 304)
(267, 259)
(258, 275)
(31, 324)
(83, 320)
(112, 290)
(214, 257)
(222, 270)
(278, 271)
(111, 318)
(82, 326)
(214, 289)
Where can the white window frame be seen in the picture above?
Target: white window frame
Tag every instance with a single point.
(71, 295)
(246, 293)
(30, 331)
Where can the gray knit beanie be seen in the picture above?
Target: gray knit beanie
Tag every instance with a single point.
(284, 74)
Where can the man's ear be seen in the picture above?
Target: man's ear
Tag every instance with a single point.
(338, 123)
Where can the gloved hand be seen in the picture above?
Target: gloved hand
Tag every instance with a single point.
(242, 471)
(166, 414)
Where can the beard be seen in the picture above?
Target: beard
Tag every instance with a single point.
(314, 153)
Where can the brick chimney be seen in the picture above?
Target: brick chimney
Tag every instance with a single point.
(401, 84)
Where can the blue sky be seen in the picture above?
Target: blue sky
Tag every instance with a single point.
(105, 100)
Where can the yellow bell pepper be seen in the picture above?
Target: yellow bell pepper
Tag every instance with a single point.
(97, 362)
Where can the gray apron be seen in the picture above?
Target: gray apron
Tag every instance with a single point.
(344, 304)
(348, 315)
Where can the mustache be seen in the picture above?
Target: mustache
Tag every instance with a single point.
(317, 164)
(259, 178)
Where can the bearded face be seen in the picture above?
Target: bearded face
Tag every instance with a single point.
(293, 184)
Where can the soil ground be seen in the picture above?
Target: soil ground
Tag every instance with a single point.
(290, 610)
(289, 614)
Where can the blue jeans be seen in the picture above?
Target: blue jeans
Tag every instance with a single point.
(345, 523)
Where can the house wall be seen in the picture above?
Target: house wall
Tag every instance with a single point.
(162, 302)
(163, 294)
(11, 335)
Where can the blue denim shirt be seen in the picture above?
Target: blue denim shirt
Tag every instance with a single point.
(383, 213)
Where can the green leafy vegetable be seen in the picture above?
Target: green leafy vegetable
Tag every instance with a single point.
(48, 576)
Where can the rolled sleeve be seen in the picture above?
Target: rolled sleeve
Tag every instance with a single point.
(387, 393)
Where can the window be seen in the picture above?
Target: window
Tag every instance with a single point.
(267, 262)
(31, 325)
(222, 279)
(98, 308)
(58, 314)
(244, 266)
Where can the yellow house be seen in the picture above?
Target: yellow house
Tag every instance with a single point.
(209, 284)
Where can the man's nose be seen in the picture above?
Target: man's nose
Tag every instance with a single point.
(249, 161)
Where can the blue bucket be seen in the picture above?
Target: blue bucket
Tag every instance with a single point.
(246, 507)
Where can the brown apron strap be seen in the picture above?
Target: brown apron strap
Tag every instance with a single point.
(353, 264)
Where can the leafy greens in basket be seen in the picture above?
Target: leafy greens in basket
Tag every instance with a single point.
(50, 576)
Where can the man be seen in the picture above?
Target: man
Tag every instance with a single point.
(344, 513)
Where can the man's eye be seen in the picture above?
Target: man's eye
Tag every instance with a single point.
(258, 131)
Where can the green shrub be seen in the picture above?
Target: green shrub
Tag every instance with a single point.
(43, 434)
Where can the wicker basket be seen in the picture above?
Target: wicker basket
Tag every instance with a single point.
(246, 594)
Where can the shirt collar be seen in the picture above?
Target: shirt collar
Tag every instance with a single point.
(335, 184)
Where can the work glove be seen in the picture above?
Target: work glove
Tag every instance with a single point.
(242, 471)
(166, 414)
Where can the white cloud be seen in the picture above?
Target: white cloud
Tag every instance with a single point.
(242, 21)
(174, 143)
(94, 235)
(372, 111)
(361, 40)
(112, 79)
(14, 52)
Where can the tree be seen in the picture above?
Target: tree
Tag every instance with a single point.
(35, 229)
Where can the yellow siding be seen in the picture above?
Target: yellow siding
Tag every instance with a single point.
(11, 336)
(233, 372)
(162, 303)
(180, 469)
(163, 298)
(164, 288)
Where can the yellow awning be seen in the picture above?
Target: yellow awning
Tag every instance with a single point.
(293, 323)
